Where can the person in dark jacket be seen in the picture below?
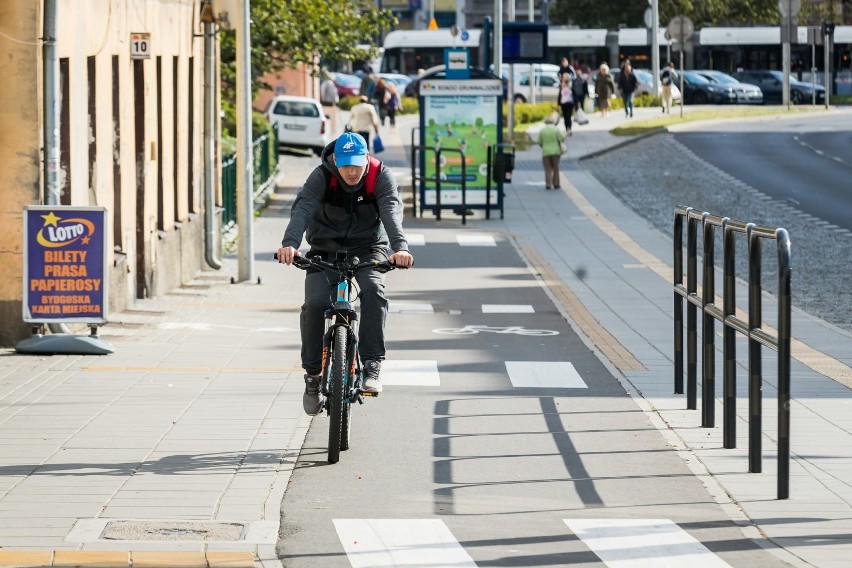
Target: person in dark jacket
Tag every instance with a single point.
(347, 221)
(627, 85)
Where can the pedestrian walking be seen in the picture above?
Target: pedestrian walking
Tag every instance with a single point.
(391, 104)
(363, 119)
(329, 97)
(604, 88)
(551, 140)
(627, 85)
(566, 101)
(667, 79)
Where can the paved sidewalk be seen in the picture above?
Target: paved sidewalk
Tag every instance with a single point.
(176, 449)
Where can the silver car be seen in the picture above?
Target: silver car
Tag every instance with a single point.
(746, 93)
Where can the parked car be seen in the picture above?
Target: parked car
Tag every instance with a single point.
(699, 90)
(772, 85)
(546, 87)
(746, 93)
(301, 123)
(347, 84)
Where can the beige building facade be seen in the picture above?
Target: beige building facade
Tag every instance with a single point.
(130, 138)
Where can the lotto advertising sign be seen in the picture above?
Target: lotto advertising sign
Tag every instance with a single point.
(64, 264)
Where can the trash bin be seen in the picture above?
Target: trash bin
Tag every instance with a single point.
(504, 165)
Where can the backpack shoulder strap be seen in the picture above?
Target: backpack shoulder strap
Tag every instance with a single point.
(372, 174)
(369, 183)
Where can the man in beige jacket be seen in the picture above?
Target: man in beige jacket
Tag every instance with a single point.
(364, 118)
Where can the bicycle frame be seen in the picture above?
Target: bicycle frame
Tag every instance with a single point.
(341, 372)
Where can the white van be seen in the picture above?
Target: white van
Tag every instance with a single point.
(301, 123)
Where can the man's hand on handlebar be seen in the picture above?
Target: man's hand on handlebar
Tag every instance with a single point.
(401, 259)
(287, 254)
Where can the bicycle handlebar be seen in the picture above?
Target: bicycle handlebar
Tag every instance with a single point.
(341, 267)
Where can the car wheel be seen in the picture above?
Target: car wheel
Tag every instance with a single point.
(520, 99)
(797, 97)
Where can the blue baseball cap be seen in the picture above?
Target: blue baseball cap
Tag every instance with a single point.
(350, 150)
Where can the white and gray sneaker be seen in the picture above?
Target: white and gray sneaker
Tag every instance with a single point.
(372, 384)
(312, 400)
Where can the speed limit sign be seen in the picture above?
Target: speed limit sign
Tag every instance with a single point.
(140, 46)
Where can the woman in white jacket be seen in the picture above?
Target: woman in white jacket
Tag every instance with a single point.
(364, 118)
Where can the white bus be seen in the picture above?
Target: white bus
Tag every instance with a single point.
(407, 51)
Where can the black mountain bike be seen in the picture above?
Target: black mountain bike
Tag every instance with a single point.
(342, 374)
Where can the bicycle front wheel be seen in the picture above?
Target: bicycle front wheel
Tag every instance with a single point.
(335, 393)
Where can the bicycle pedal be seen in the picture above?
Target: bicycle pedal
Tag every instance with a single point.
(365, 393)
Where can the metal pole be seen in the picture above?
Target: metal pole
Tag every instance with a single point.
(655, 46)
(784, 335)
(729, 339)
(50, 72)
(245, 174)
(678, 301)
(691, 313)
(755, 363)
(680, 71)
(708, 330)
(497, 38)
(826, 46)
(813, 70)
(210, 178)
(510, 92)
(785, 58)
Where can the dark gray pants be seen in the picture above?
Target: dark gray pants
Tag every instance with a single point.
(320, 287)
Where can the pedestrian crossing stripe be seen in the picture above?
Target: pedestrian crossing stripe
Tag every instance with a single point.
(522, 374)
(409, 308)
(642, 543)
(544, 374)
(415, 239)
(476, 240)
(400, 542)
(507, 309)
(618, 543)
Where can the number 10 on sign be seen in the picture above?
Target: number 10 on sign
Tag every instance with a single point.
(140, 46)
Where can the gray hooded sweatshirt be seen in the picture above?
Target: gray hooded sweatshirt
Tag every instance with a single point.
(329, 226)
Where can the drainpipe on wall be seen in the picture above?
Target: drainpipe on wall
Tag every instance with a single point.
(210, 170)
(50, 120)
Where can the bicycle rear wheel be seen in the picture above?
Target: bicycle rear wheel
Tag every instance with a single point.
(335, 393)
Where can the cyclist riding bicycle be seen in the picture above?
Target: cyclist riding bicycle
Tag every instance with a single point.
(343, 206)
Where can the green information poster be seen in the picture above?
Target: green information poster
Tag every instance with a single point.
(460, 115)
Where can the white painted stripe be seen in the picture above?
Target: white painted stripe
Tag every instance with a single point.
(643, 543)
(400, 542)
(411, 373)
(507, 309)
(544, 374)
(415, 239)
(409, 308)
(476, 240)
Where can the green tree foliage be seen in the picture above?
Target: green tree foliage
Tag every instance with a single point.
(630, 13)
(285, 33)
